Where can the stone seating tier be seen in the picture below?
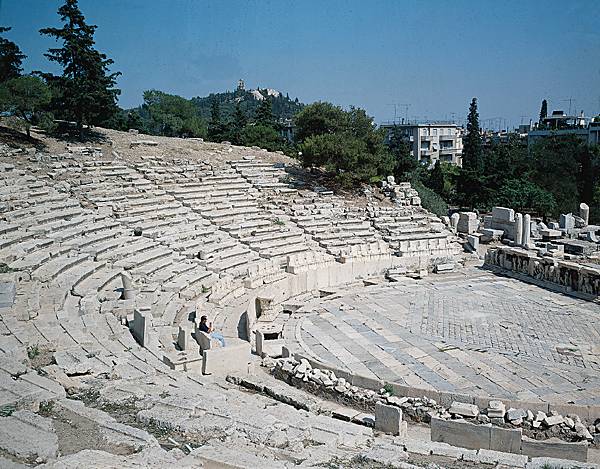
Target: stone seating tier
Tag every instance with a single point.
(25, 215)
(143, 258)
(239, 229)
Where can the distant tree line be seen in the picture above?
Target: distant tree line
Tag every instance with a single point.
(551, 177)
(85, 95)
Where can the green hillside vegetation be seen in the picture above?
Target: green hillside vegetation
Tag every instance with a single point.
(282, 106)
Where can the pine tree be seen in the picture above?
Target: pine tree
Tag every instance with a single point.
(215, 125)
(543, 111)
(264, 113)
(239, 122)
(473, 145)
(86, 89)
(11, 58)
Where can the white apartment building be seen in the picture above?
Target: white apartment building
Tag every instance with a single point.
(431, 142)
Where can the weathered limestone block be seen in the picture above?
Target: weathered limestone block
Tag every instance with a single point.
(566, 222)
(555, 448)
(128, 290)
(388, 418)
(141, 325)
(467, 222)
(225, 360)
(454, 221)
(466, 410)
(184, 336)
(460, 433)
(503, 214)
(496, 409)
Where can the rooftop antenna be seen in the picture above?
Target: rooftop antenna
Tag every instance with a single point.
(571, 101)
(405, 106)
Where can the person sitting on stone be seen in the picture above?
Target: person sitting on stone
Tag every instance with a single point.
(207, 328)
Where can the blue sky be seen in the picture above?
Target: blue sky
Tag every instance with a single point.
(433, 55)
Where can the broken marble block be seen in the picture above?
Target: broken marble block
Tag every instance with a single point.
(496, 409)
(388, 418)
(466, 410)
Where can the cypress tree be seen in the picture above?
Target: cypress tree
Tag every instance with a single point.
(471, 179)
(85, 92)
(543, 111)
(473, 145)
(11, 58)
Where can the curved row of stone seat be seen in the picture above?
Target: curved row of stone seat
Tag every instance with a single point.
(262, 175)
(259, 246)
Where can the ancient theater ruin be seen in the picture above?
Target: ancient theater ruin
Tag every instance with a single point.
(341, 330)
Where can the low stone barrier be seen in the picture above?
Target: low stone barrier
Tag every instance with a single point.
(555, 448)
(469, 422)
(588, 413)
(227, 359)
(468, 435)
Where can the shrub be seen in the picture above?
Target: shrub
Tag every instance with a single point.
(430, 200)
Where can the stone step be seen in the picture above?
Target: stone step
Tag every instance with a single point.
(142, 258)
(55, 267)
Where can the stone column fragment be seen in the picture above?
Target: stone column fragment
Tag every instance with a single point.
(518, 229)
(526, 230)
(584, 212)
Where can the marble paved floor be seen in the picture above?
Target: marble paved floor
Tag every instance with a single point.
(472, 332)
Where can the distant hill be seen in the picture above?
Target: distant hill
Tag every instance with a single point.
(283, 106)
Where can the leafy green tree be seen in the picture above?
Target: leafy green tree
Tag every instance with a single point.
(135, 121)
(589, 174)
(319, 118)
(85, 92)
(543, 111)
(436, 178)
(264, 113)
(525, 196)
(261, 136)
(556, 167)
(172, 116)
(354, 151)
(24, 97)
(503, 162)
(11, 58)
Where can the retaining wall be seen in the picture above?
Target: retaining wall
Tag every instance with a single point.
(588, 413)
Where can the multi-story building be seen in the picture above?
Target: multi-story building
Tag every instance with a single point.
(561, 124)
(431, 142)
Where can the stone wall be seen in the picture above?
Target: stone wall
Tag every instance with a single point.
(566, 275)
